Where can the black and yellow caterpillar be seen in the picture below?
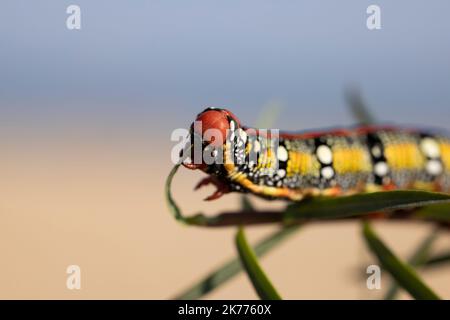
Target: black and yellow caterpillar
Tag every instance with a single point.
(333, 162)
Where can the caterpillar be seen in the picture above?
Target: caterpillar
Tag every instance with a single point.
(335, 162)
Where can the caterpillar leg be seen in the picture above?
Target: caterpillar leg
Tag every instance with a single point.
(221, 188)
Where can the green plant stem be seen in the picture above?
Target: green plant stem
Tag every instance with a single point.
(403, 274)
(321, 208)
(259, 279)
(418, 258)
(438, 259)
(232, 267)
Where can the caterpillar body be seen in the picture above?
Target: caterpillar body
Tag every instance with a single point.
(332, 162)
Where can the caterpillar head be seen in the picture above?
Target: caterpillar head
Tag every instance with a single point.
(210, 130)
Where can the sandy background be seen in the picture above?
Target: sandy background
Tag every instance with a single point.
(101, 206)
(86, 118)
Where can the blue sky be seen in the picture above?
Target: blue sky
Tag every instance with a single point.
(141, 61)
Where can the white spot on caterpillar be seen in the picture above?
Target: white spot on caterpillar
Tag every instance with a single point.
(232, 125)
(434, 167)
(430, 148)
(257, 146)
(381, 169)
(243, 135)
(327, 172)
(324, 154)
(281, 173)
(282, 154)
(376, 151)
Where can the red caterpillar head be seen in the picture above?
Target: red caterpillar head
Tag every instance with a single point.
(211, 127)
(216, 119)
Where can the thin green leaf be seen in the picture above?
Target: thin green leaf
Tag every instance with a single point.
(418, 258)
(438, 212)
(233, 267)
(400, 271)
(438, 259)
(173, 207)
(261, 283)
(361, 204)
(358, 107)
(198, 219)
(318, 208)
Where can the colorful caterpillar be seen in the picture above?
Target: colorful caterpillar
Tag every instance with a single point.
(334, 162)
